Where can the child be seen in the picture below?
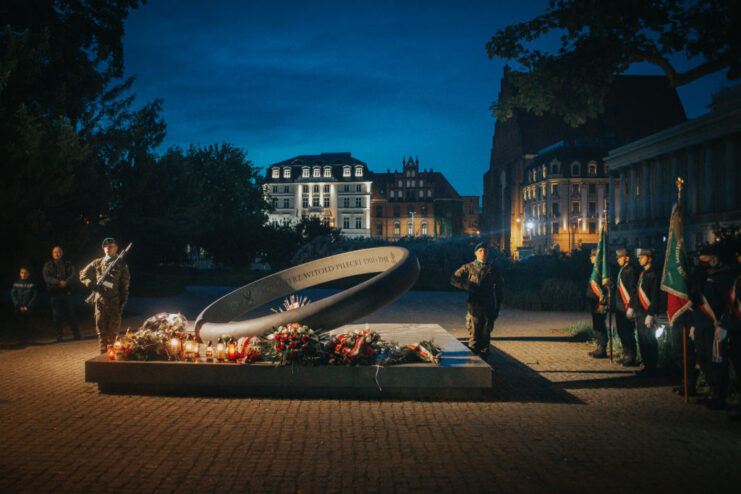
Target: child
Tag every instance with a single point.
(23, 295)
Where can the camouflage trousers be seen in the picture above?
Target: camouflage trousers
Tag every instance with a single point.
(479, 325)
(107, 321)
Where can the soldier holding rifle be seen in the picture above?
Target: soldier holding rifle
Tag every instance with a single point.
(108, 276)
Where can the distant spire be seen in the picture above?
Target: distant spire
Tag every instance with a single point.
(417, 160)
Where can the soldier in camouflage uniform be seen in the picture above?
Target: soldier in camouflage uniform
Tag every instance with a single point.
(111, 295)
(484, 285)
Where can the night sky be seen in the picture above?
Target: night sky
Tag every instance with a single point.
(380, 80)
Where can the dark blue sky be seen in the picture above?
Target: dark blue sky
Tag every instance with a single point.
(381, 80)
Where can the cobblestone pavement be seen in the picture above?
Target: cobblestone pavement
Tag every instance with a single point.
(555, 421)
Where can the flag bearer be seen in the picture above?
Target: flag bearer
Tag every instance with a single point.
(598, 307)
(625, 307)
(646, 311)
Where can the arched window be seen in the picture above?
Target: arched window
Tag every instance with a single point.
(397, 228)
(555, 167)
(592, 169)
(575, 169)
(410, 228)
(424, 228)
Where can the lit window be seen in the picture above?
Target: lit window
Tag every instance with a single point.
(276, 172)
(358, 171)
(315, 201)
(410, 228)
(391, 194)
(421, 193)
(326, 188)
(286, 172)
(305, 173)
(327, 171)
(316, 189)
(397, 228)
(358, 222)
(424, 228)
(305, 202)
(346, 172)
(317, 172)
(358, 202)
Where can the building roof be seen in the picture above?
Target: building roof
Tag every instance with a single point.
(336, 160)
(320, 159)
(442, 189)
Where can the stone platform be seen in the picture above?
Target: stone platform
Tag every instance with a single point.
(460, 374)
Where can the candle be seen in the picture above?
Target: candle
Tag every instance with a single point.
(231, 351)
(111, 352)
(220, 350)
(196, 350)
(118, 347)
(209, 352)
(175, 348)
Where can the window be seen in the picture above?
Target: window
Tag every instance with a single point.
(544, 171)
(326, 201)
(554, 190)
(401, 183)
(555, 209)
(358, 187)
(575, 189)
(379, 211)
(346, 222)
(315, 201)
(346, 188)
(592, 169)
(326, 188)
(286, 203)
(345, 202)
(346, 171)
(286, 172)
(327, 171)
(305, 202)
(275, 189)
(410, 228)
(275, 203)
(397, 228)
(421, 194)
(397, 211)
(358, 222)
(358, 202)
(358, 171)
(286, 189)
(555, 228)
(316, 189)
(575, 169)
(429, 192)
(379, 229)
(423, 228)
(554, 168)
(392, 194)
(575, 207)
(276, 172)
(305, 172)
(409, 183)
(317, 172)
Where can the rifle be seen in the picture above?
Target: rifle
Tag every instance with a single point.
(91, 298)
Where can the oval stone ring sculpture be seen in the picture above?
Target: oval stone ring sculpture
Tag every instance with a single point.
(397, 270)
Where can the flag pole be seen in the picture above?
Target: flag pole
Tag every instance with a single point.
(609, 287)
(680, 183)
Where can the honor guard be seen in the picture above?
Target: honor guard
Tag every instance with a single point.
(598, 308)
(647, 309)
(625, 307)
(710, 319)
(111, 292)
(484, 285)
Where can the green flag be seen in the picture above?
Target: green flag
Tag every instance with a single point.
(601, 272)
(674, 276)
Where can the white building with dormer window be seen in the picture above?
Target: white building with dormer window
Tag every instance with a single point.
(332, 186)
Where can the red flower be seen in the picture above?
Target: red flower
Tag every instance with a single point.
(279, 347)
(294, 344)
(338, 348)
(304, 339)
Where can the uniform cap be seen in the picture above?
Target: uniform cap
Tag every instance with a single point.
(480, 245)
(645, 252)
(622, 252)
(108, 240)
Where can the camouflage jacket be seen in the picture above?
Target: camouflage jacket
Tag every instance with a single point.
(483, 283)
(116, 284)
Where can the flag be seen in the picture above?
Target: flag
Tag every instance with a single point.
(601, 272)
(674, 276)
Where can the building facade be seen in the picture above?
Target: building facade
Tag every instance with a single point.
(334, 187)
(705, 152)
(564, 200)
(471, 215)
(635, 106)
(410, 203)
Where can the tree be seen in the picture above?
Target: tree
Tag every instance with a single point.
(599, 39)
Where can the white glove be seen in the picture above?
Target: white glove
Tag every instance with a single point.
(649, 321)
(630, 314)
(692, 333)
(720, 333)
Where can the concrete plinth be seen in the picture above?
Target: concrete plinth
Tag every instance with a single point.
(460, 374)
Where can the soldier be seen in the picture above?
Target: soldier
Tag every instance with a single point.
(598, 308)
(110, 296)
(734, 329)
(710, 299)
(625, 307)
(484, 285)
(58, 274)
(647, 310)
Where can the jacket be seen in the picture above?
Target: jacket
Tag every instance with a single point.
(23, 293)
(116, 286)
(56, 271)
(483, 283)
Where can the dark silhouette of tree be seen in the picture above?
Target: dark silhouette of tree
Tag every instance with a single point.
(600, 39)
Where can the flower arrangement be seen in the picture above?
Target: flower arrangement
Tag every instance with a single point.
(424, 351)
(145, 344)
(357, 347)
(294, 343)
(250, 349)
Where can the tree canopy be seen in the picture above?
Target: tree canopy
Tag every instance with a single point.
(600, 39)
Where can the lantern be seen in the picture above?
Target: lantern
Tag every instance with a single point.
(220, 350)
(188, 348)
(231, 350)
(209, 352)
(118, 347)
(196, 350)
(175, 348)
(111, 352)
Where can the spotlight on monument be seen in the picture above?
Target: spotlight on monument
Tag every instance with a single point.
(660, 331)
(530, 225)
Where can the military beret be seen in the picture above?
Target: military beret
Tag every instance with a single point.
(480, 245)
(645, 252)
(622, 252)
(108, 240)
(709, 250)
